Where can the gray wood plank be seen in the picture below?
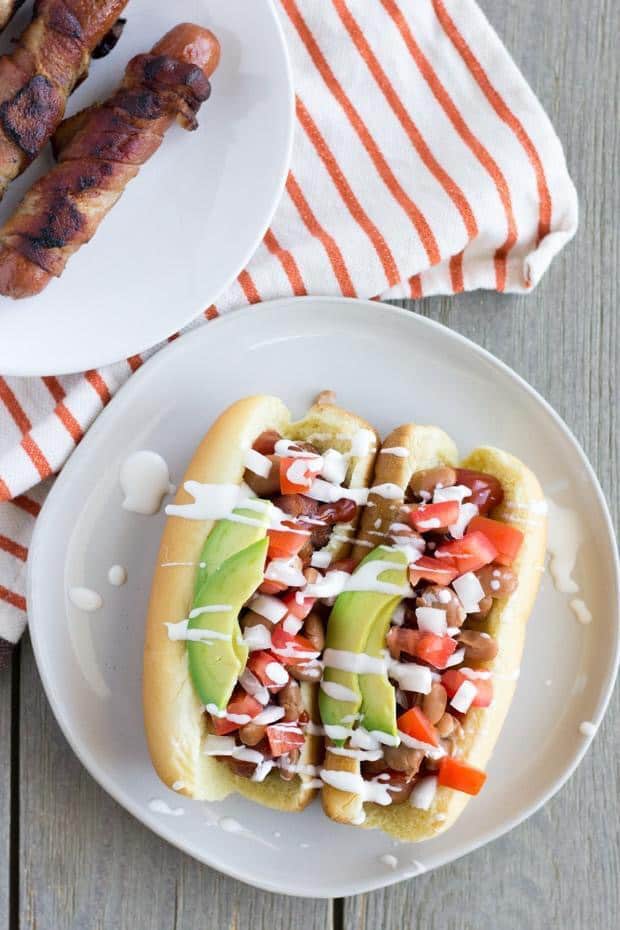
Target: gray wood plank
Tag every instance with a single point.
(562, 867)
(5, 792)
(86, 864)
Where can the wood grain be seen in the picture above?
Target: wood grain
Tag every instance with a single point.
(85, 863)
(5, 793)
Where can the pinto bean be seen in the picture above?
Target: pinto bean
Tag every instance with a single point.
(400, 791)
(313, 631)
(296, 505)
(496, 580)
(250, 618)
(403, 759)
(290, 699)
(479, 647)
(445, 725)
(434, 703)
(427, 479)
(266, 442)
(341, 511)
(307, 672)
(484, 609)
(252, 733)
(239, 766)
(265, 487)
(443, 598)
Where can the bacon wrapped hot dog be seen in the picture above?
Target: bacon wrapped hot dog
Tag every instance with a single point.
(36, 78)
(100, 150)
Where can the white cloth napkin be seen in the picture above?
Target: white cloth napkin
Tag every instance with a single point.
(422, 164)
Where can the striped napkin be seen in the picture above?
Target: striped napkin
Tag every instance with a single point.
(422, 164)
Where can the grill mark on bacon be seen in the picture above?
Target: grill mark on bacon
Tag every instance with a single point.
(27, 115)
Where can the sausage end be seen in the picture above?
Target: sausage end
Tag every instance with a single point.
(20, 277)
(192, 44)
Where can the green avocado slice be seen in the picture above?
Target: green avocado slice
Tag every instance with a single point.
(378, 693)
(215, 664)
(351, 627)
(230, 536)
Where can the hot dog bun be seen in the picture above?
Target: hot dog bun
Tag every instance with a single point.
(174, 721)
(430, 447)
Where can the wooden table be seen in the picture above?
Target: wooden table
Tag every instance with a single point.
(70, 857)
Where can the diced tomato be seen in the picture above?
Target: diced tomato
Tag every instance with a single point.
(468, 554)
(436, 650)
(241, 703)
(258, 664)
(429, 569)
(272, 587)
(415, 723)
(458, 775)
(401, 639)
(284, 544)
(291, 649)
(297, 473)
(506, 539)
(298, 605)
(454, 678)
(486, 490)
(434, 516)
(283, 738)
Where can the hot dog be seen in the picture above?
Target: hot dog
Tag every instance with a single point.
(36, 78)
(99, 151)
(422, 654)
(234, 630)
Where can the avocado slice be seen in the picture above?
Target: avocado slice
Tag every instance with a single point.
(378, 693)
(358, 623)
(216, 664)
(230, 536)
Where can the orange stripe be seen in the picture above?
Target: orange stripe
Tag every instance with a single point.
(36, 456)
(14, 407)
(422, 227)
(13, 548)
(504, 112)
(315, 229)
(26, 503)
(62, 412)
(415, 287)
(471, 141)
(12, 598)
(248, 287)
(134, 362)
(288, 263)
(173, 337)
(342, 185)
(456, 273)
(98, 384)
(5, 494)
(211, 312)
(416, 138)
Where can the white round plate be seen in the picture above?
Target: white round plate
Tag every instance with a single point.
(189, 223)
(392, 367)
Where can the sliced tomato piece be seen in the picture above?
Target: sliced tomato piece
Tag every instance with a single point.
(436, 650)
(283, 738)
(454, 678)
(268, 669)
(415, 723)
(486, 490)
(297, 473)
(458, 775)
(298, 605)
(429, 569)
(429, 517)
(290, 648)
(272, 587)
(506, 539)
(284, 544)
(240, 704)
(468, 554)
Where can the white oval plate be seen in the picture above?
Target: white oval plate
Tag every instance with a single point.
(391, 366)
(191, 220)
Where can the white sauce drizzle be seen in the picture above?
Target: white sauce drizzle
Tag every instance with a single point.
(388, 491)
(357, 663)
(161, 807)
(339, 692)
(117, 575)
(85, 599)
(389, 860)
(400, 451)
(587, 728)
(145, 481)
(581, 610)
(563, 541)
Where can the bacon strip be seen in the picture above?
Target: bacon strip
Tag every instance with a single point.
(100, 150)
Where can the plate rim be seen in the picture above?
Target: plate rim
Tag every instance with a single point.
(167, 833)
(94, 361)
